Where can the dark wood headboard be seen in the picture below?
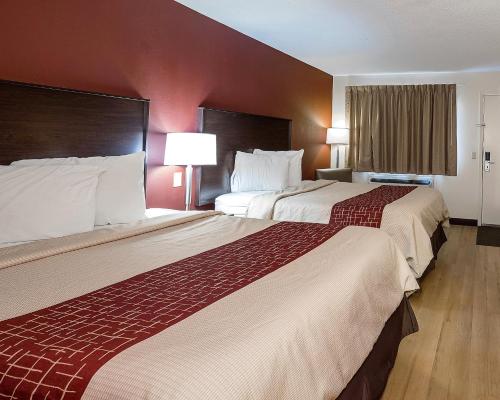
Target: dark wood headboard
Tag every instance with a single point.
(46, 122)
(235, 131)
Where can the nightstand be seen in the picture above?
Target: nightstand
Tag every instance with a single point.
(335, 174)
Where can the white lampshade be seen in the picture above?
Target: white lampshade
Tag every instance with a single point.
(185, 148)
(337, 136)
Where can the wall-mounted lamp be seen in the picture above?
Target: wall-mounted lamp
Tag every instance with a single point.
(186, 148)
(338, 137)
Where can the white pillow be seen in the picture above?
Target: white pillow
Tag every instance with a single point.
(46, 202)
(259, 172)
(120, 192)
(294, 158)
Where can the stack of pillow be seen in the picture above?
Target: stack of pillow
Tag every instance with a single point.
(267, 170)
(53, 197)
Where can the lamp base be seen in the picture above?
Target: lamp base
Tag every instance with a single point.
(189, 180)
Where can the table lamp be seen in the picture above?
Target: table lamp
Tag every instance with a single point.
(338, 137)
(189, 148)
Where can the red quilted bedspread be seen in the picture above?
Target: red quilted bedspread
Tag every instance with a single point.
(54, 352)
(366, 209)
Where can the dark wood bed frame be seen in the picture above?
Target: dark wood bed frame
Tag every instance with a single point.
(45, 122)
(235, 132)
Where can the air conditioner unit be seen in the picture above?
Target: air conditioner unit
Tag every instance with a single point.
(402, 179)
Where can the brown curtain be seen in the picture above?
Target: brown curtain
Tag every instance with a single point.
(403, 129)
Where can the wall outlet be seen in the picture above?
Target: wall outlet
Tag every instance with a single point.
(177, 179)
(474, 155)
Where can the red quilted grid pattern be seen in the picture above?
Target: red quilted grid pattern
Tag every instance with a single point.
(366, 209)
(53, 353)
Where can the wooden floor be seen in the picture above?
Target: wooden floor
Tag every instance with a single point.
(456, 353)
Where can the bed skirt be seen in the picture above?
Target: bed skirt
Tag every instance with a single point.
(369, 381)
(438, 238)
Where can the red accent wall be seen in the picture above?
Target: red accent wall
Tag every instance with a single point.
(161, 50)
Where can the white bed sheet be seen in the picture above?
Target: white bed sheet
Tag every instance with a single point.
(237, 203)
(150, 213)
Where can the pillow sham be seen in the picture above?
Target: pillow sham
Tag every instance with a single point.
(294, 158)
(120, 192)
(46, 202)
(259, 172)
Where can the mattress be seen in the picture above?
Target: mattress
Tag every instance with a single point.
(237, 203)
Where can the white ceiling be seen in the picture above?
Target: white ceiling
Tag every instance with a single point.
(344, 37)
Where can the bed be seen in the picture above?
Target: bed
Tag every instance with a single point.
(415, 220)
(110, 314)
(413, 216)
(191, 304)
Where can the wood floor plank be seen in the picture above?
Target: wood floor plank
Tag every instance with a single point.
(479, 344)
(456, 353)
(493, 316)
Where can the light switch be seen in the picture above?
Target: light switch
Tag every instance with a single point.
(474, 155)
(177, 179)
